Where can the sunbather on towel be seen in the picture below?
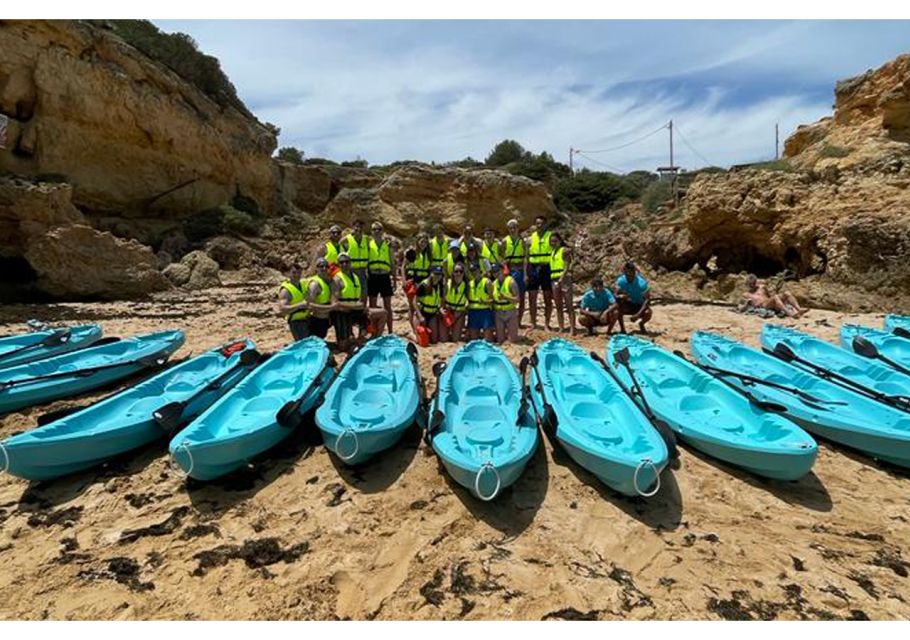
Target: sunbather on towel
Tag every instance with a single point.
(784, 302)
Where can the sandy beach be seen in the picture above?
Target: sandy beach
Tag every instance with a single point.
(298, 536)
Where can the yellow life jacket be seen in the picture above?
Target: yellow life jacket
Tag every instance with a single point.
(457, 297)
(450, 265)
(492, 252)
(297, 296)
(380, 257)
(429, 302)
(439, 251)
(513, 251)
(502, 294)
(350, 292)
(419, 268)
(540, 248)
(557, 264)
(359, 252)
(478, 297)
(325, 291)
(331, 252)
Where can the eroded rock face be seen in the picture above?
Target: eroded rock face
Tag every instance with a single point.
(128, 133)
(195, 271)
(414, 195)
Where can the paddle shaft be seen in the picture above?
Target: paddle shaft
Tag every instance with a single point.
(747, 378)
(60, 335)
(146, 361)
(895, 365)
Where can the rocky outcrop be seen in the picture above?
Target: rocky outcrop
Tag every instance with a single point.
(230, 253)
(195, 271)
(310, 188)
(414, 195)
(128, 134)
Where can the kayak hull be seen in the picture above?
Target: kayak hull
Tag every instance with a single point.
(120, 423)
(243, 424)
(80, 337)
(599, 426)
(710, 416)
(893, 322)
(155, 347)
(484, 441)
(372, 401)
(838, 414)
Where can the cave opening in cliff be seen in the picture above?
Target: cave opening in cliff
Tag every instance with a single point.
(746, 258)
(17, 279)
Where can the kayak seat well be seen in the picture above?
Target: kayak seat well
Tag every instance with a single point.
(370, 405)
(262, 404)
(145, 406)
(698, 403)
(770, 431)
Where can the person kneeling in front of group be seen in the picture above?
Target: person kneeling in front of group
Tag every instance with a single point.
(429, 302)
(598, 307)
(292, 303)
(632, 292)
(505, 301)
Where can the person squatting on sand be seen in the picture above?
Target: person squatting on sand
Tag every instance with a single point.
(757, 295)
(598, 307)
(634, 296)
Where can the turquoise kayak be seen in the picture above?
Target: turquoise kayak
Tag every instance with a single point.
(477, 425)
(838, 365)
(597, 424)
(888, 348)
(124, 421)
(245, 421)
(711, 416)
(80, 371)
(38, 345)
(824, 408)
(372, 401)
(898, 324)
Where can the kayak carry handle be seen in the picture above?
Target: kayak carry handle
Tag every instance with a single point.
(356, 449)
(175, 464)
(488, 465)
(644, 463)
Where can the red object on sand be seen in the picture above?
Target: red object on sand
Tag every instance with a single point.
(410, 290)
(448, 318)
(423, 336)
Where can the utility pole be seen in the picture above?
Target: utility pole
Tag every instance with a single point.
(571, 153)
(670, 126)
(776, 141)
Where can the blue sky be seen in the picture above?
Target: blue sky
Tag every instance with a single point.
(444, 90)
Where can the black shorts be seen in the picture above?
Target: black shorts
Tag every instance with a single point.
(539, 277)
(300, 329)
(345, 321)
(629, 308)
(319, 327)
(380, 284)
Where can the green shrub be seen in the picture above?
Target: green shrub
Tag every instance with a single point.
(655, 194)
(246, 204)
(773, 165)
(239, 223)
(504, 153)
(204, 224)
(320, 161)
(361, 164)
(291, 154)
(589, 191)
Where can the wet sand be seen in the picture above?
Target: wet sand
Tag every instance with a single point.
(297, 535)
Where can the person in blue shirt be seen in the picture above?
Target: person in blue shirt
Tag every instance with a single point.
(634, 297)
(598, 307)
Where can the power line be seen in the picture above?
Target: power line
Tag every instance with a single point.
(629, 144)
(691, 148)
(602, 164)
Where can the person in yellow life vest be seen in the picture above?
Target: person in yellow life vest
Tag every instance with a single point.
(319, 298)
(505, 305)
(537, 269)
(351, 310)
(439, 247)
(561, 277)
(414, 269)
(357, 245)
(292, 303)
(481, 320)
(333, 247)
(473, 254)
(455, 302)
(382, 274)
(468, 238)
(491, 249)
(429, 305)
(455, 257)
(514, 249)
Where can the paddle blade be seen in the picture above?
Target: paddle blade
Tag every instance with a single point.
(597, 358)
(52, 416)
(250, 358)
(57, 338)
(534, 360)
(438, 368)
(863, 347)
(412, 350)
(784, 352)
(168, 417)
(550, 419)
(523, 365)
(774, 407)
(679, 354)
(669, 437)
(288, 416)
(901, 332)
(622, 356)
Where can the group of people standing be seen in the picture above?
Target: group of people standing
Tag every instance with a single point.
(457, 289)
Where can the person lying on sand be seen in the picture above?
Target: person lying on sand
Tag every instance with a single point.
(784, 302)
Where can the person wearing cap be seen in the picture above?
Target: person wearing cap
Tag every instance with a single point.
(319, 299)
(473, 254)
(537, 269)
(292, 303)
(333, 247)
(382, 276)
(598, 307)
(429, 304)
(481, 320)
(455, 257)
(505, 303)
(634, 296)
(357, 245)
(561, 279)
(455, 301)
(439, 247)
(514, 249)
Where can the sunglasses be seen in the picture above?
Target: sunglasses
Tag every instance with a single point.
(322, 266)
(343, 262)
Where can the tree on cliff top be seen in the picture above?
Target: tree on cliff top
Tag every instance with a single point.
(504, 153)
(291, 154)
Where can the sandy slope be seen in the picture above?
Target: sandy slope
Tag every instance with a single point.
(298, 536)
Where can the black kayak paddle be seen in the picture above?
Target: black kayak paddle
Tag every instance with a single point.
(865, 348)
(54, 339)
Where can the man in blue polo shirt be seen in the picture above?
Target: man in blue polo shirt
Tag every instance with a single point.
(634, 297)
(598, 307)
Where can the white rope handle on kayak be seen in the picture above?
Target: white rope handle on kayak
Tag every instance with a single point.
(646, 494)
(175, 465)
(5, 466)
(338, 445)
(487, 465)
